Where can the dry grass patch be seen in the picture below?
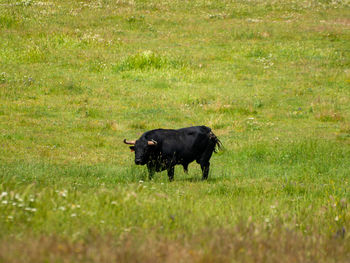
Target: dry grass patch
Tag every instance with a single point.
(244, 243)
(329, 116)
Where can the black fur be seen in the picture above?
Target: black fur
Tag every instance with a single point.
(174, 147)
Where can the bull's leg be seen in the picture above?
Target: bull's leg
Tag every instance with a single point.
(204, 160)
(185, 165)
(151, 172)
(171, 173)
(205, 170)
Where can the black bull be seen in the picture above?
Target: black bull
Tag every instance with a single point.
(162, 149)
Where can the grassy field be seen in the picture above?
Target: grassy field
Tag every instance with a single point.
(271, 78)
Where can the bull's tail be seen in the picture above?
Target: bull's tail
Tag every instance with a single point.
(217, 143)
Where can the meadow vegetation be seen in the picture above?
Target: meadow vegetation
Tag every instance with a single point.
(271, 78)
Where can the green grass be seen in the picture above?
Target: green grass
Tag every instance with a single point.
(271, 78)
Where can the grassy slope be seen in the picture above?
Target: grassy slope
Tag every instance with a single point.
(270, 77)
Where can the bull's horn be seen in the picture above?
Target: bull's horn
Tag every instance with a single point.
(129, 142)
(152, 142)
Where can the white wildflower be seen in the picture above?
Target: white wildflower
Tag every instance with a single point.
(63, 193)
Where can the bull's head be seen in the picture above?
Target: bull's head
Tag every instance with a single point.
(142, 149)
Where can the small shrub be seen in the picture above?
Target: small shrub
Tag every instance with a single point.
(219, 125)
(34, 55)
(258, 104)
(90, 112)
(134, 19)
(7, 21)
(161, 85)
(69, 87)
(199, 101)
(233, 110)
(3, 78)
(329, 116)
(147, 60)
(257, 53)
(139, 125)
(344, 132)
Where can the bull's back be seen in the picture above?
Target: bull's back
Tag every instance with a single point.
(184, 143)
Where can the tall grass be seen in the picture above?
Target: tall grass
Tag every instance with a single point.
(147, 60)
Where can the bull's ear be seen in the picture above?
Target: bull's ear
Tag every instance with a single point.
(132, 148)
